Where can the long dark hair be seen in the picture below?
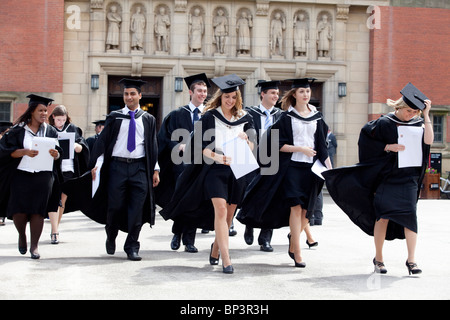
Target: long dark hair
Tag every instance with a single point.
(59, 110)
(26, 117)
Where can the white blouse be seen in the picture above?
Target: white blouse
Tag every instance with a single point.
(303, 132)
(224, 132)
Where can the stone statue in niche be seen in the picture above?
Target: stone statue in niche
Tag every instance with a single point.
(301, 35)
(162, 24)
(114, 21)
(324, 37)
(220, 25)
(243, 26)
(277, 27)
(196, 31)
(137, 27)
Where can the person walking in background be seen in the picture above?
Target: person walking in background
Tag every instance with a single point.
(71, 166)
(264, 116)
(182, 118)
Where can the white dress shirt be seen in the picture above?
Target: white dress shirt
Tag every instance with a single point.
(263, 118)
(303, 132)
(120, 148)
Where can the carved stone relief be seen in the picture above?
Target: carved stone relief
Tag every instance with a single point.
(114, 20)
(244, 25)
(137, 27)
(162, 28)
(196, 29)
(301, 33)
(221, 29)
(277, 29)
(324, 34)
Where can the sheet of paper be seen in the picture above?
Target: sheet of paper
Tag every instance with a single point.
(411, 138)
(43, 161)
(318, 168)
(242, 159)
(67, 143)
(96, 181)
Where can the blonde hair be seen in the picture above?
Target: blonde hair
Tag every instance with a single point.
(398, 104)
(216, 101)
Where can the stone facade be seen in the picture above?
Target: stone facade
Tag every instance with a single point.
(262, 39)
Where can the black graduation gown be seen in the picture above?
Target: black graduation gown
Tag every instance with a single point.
(355, 188)
(169, 172)
(10, 142)
(80, 163)
(80, 189)
(189, 205)
(264, 205)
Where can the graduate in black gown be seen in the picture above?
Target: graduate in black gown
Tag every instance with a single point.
(25, 191)
(125, 156)
(377, 195)
(4, 126)
(288, 197)
(99, 125)
(207, 192)
(71, 168)
(264, 116)
(179, 121)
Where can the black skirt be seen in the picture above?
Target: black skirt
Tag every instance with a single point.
(221, 183)
(298, 184)
(396, 199)
(30, 193)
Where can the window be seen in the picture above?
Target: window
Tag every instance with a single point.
(5, 111)
(438, 127)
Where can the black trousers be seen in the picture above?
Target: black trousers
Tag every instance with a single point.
(127, 192)
(187, 232)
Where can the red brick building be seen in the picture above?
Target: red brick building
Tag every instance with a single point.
(31, 50)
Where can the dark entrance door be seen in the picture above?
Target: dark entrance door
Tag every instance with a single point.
(151, 96)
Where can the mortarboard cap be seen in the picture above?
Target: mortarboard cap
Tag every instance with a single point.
(197, 78)
(302, 83)
(132, 83)
(229, 83)
(99, 122)
(267, 85)
(41, 100)
(413, 97)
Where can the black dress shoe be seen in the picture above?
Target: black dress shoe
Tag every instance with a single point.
(110, 246)
(229, 269)
(133, 256)
(176, 242)
(190, 248)
(248, 236)
(266, 247)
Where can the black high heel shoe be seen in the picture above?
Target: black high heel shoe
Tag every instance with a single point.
(412, 268)
(213, 261)
(311, 245)
(379, 267)
(291, 254)
(299, 264)
(22, 250)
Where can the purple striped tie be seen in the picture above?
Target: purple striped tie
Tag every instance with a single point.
(131, 146)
